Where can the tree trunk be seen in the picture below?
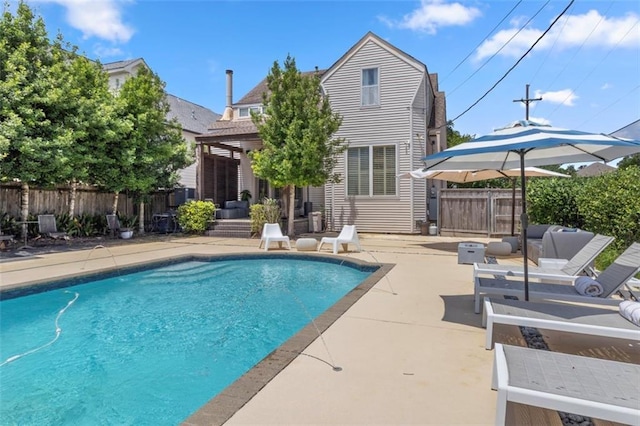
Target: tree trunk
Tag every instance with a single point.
(291, 208)
(25, 209)
(114, 209)
(141, 218)
(72, 197)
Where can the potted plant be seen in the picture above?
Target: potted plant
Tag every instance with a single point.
(245, 195)
(126, 226)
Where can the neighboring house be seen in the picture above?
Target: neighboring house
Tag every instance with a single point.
(393, 115)
(595, 169)
(194, 119)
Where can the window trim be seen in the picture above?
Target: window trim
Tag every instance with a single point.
(255, 108)
(363, 86)
(371, 194)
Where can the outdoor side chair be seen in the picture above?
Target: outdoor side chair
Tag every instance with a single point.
(598, 388)
(113, 223)
(271, 232)
(612, 279)
(47, 227)
(577, 319)
(348, 235)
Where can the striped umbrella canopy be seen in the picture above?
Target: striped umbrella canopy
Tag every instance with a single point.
(526, 143)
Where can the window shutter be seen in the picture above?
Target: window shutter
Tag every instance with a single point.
(358, 171)
(384, 170)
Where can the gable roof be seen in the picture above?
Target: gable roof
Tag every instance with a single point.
(254, 97)
(371, 37)
(192, 117)
(122, 65)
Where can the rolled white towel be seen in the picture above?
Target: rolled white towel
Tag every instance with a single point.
(631, 311)
(587, 286)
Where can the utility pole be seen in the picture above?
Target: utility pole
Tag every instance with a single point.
(527, 101)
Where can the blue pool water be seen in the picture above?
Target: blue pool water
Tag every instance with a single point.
(153, 346)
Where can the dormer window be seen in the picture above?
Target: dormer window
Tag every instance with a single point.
(370, 87)
(244, 112)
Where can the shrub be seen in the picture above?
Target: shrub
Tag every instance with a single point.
(267, 212)
(194, 216)
(553, 200)
(610, 205)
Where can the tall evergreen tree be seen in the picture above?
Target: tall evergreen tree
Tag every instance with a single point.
(297, 132)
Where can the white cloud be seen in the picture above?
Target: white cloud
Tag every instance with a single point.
(606, 86)
(106, 52)
(434, 14)
(591, 28)
(540, 120)
(565, 97)
(97, 18)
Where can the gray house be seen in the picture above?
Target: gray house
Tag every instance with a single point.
(194, 119)
(393, 115)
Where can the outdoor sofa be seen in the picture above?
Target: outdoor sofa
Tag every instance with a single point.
(233, 210)
(555, 241)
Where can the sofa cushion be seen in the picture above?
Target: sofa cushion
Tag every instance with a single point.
(235, 204)
(536, 231)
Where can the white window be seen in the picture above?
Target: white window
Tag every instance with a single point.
(244, 111)
(371, 170)
(370, 87)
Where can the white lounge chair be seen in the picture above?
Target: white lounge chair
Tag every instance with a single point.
(559, 317)
(348, 235)
(611, 279)
(578, 263)
(598, 388)
(271, 232)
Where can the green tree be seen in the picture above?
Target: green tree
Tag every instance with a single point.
(297, 132)
(454, 137)
(32, 138)
(629, 160)
(553, 200)
(153, 150)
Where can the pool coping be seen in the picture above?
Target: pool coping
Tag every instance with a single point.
(224, 405)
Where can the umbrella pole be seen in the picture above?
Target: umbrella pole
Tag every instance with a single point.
(513, 206)
(524, 223)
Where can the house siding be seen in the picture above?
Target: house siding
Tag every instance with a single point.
(396, 121)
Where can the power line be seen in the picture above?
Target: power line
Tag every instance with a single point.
(499, 50)
(516, 64)
(593, 69)
(483, 40)
(609, 106)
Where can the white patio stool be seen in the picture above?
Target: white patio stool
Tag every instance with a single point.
(498, 248)
(306, 244)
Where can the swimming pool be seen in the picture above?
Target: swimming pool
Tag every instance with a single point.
(154, 345)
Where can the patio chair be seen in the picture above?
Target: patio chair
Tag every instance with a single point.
(348, 235)
(271, 232)
(611, 279)
(598, 388)
(47, 227)
(558, 317)
(113, 223)
(575, 266)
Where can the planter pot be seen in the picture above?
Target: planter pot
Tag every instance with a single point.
(125, 235)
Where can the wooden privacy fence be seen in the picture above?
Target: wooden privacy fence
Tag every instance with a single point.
(477, 211)
(89, 200)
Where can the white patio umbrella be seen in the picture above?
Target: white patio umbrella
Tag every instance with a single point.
(525, 143)
(464, 176)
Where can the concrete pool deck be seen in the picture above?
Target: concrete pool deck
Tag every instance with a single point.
(411, 350)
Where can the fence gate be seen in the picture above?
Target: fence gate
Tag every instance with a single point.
(478, 211)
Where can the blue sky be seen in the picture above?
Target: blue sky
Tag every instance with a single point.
(586, 69)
